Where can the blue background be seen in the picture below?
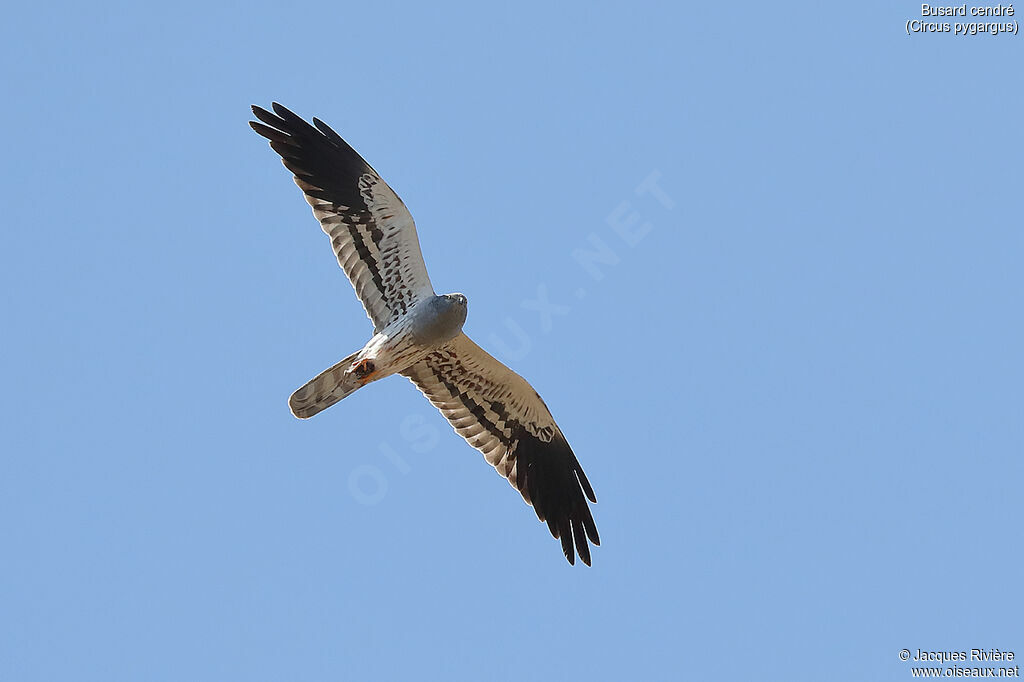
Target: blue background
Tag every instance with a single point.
(797, 394)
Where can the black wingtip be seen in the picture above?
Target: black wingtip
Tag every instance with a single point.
(565, 535)
(266, 131)
(328, 132)
(585, 484)
(267, 117)
(552, 481)
(591, 528)
(581, 541)
(287, 114)
(567, 549)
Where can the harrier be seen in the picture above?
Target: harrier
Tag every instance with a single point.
(418, 334)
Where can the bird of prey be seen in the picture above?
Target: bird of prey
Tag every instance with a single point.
(418, 334)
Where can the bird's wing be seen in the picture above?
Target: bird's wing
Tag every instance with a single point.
(500, 414)
(371, 231)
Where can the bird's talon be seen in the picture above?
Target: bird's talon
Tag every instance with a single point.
(363, 370)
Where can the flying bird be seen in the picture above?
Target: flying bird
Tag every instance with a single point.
(418, 334)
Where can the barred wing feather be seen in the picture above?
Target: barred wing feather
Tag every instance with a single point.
(371, 230)
(500, 414)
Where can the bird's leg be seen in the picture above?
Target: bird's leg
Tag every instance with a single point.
(364, 371)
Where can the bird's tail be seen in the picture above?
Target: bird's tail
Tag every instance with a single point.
(325, 389)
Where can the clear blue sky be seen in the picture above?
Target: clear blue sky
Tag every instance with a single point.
(796, 388)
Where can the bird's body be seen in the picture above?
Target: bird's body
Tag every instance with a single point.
(427, 326)
(419, 334)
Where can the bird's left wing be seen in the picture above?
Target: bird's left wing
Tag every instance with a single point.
(500, 414)
(371, 231)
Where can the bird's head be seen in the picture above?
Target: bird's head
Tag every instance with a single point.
(456, 305)
(457, 299)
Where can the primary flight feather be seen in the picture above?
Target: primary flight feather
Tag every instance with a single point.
(418, 334)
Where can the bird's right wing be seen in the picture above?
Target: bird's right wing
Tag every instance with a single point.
(371, 230)
(500, 414)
